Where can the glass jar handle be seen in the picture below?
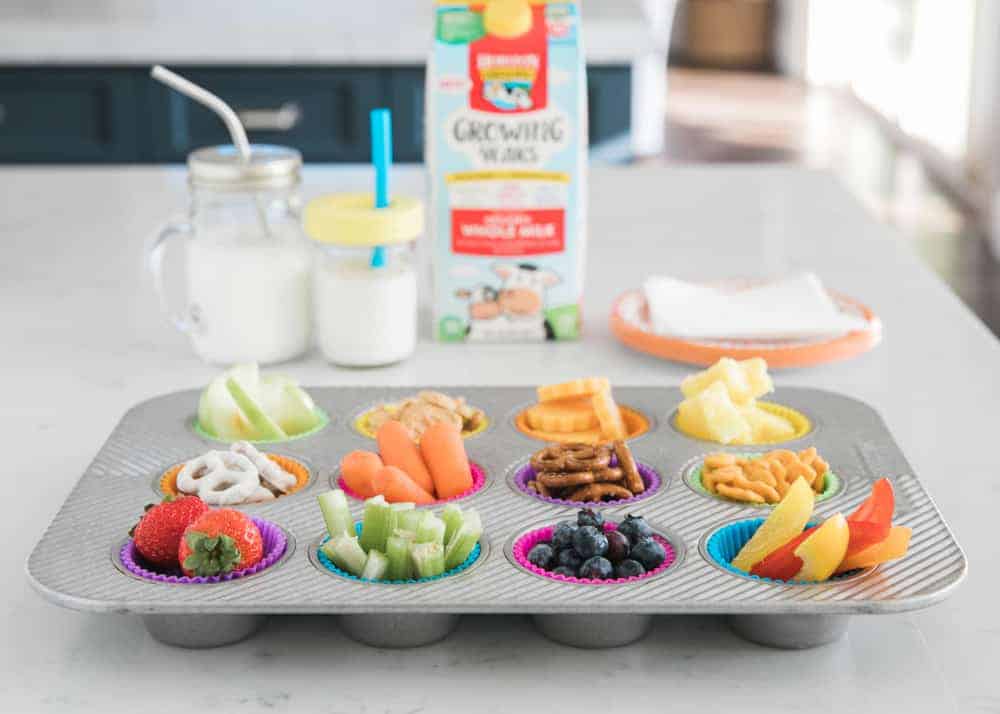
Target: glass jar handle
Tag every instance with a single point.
(154, 263)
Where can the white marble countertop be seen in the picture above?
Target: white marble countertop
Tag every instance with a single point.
(83, 341)
(302, 33)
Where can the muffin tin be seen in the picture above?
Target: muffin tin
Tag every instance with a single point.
(71, 565)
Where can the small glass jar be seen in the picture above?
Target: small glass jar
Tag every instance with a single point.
(365, 307)
(247, 296)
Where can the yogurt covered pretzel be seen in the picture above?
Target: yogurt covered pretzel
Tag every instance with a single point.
(269, 471)
(220, 478)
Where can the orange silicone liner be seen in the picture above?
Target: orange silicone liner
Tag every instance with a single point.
(636, 424)
(168, 482)
(779, 355)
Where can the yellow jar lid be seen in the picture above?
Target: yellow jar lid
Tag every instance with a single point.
(351, 219)
(507, 18)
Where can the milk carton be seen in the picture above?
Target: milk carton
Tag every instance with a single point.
(506, 150)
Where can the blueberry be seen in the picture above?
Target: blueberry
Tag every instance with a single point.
(648, 552)
(635, 527)
(562, 535)
(618, 546)
(589, 541)
(629, 569)
(569, 558)
(563, 570)
(597, 568)
(589, 517)
(541, 555)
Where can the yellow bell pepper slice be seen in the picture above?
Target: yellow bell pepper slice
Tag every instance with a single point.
(786, 521)
(824, 550)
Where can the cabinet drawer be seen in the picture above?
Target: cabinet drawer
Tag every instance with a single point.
(67, 115)
(321, 112)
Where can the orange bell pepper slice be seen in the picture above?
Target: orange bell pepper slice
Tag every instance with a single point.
(892, 548)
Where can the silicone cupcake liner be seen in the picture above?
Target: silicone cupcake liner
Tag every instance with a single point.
(275, 544)
(360, 424)
(526, 542)
(723, 545)
(831, 488)
(324, 421)
(167, 483)
(329, 565)
(800, 422)
(649, 476)
(478, 484)
(636, 424)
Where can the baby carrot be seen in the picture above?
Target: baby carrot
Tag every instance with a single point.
(397, 487)
(358, 470)
(444, 454)
(399, 450)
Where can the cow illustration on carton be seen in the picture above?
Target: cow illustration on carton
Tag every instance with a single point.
(516, 310)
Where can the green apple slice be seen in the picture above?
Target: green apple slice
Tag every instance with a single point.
(264, 426)
(288, 404)
(218, 413)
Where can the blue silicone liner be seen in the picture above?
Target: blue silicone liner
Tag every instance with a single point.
(723, 545)
(328, 564)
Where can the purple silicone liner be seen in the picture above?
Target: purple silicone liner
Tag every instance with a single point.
(649, 476)
(478, 481)
(530, 539)
(275, 544)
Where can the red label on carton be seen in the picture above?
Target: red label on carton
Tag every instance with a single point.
(533, 231)
(510, 76)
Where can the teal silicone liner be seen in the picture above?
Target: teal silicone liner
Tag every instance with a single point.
(324, 421)
(833, 486)
(725, 543)
(329, 565)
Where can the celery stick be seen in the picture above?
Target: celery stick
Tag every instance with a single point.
(409, 520)
(337, 515)
(397, 550)
(464, 540)
(346, 553)
(431, 530)
(375, 566)
(452, 517)
(428, 559)
(377, 524)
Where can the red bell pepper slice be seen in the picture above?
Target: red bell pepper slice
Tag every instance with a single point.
(879, 506)
(782, 564)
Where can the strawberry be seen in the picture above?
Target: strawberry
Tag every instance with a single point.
(158, 534)
(219, 542)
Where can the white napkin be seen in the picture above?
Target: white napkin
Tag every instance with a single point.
(792, 308)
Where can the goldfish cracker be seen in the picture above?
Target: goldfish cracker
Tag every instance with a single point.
(397, 487)
(444, 453)
(399, 450)
(577, 388)
(358, 470)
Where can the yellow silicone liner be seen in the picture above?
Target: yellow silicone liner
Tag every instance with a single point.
(362, 427)
(168, 482)
(636, 424)
(799, 421)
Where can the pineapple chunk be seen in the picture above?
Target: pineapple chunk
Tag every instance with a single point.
(766, 427)
(744, 380)
(760, 382)
(712, 415)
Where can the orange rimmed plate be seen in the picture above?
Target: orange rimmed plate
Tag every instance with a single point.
(631, 325)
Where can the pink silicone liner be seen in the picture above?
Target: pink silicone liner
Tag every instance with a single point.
(275, 544)
(532, 538)
(478, 481)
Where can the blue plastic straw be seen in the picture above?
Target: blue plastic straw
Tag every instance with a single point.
(381, 127)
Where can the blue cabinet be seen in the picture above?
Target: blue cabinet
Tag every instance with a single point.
(120, 115)
(68, 115)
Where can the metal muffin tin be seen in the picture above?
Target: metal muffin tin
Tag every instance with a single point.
(71, 565)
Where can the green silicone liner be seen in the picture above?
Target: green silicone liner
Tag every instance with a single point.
(831, 489)
(324, 421)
